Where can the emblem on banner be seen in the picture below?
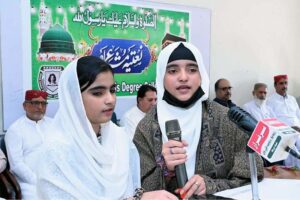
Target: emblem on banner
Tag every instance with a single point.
(48, 79)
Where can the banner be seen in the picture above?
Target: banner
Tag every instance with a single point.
(129, 38)
(40, 38)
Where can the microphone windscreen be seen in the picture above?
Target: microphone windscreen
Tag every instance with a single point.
(242, 119)
(173, 130)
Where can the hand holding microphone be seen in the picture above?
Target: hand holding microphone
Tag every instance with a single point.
(175, 157)
(174, 133)
(174, 153)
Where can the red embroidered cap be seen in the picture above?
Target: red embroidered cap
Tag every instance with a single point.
(30, 94)
(278, 77)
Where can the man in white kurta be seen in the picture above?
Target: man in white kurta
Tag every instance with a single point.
(286, 110)
(146, 99)
(24, 139)
(258, 107)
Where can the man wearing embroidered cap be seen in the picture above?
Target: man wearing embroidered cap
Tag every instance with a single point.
(286, 110)
(284, 106)
(212, 147)
(24, 139)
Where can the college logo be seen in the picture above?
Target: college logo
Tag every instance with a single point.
(48, 79)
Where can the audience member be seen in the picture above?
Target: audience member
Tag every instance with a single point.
(24, 140)
(284, 106)
(87, 156)
(3, 161)
(223, 93)
(258, 107)
(298, 100)
(286, 110)
(212, 148)
(146, 99)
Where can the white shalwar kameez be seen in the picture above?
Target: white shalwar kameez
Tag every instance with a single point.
(259, 111)
(24, 140)
(131, 119)
(287, 110)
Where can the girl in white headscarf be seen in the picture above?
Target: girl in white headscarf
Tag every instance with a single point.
(87, 156)
(212, 147)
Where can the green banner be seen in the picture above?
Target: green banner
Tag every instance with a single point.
(129, 38)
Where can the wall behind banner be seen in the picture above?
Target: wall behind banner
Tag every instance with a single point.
(38, 18)
(252, 40)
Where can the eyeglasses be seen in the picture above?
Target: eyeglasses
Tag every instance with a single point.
(225, 88)
(37, 103)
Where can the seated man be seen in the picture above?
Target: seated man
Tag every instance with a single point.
(258, 107)
(146, 99)
(3, 161)
(298, 100)
(24, 139)
(223, 93)
(286, 110)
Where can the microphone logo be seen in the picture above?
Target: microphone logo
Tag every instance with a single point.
(259, 137)
(270, 137)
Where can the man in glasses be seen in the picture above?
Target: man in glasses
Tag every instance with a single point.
(223, 93)
(24, 139)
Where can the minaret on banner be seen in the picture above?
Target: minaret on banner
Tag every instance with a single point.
(44, 22)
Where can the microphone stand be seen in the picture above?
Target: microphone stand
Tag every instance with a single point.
(247, 124)
(253, 173)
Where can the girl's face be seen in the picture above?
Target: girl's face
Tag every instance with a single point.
(99, 99)
(182, 79)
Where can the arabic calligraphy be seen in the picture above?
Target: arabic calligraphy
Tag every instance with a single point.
(124, 56)
(116, 19)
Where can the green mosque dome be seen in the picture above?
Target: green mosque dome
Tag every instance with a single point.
(57, 40)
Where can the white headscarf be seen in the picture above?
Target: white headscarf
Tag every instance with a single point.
(190, 119)
(104, 168)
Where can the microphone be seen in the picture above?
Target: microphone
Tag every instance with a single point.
(270, 138)
(242, 119)
(173, 132)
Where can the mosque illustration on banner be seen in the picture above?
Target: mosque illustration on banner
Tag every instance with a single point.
(56, 43)
(124, 55)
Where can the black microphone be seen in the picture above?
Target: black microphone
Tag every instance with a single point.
(173, 132)
(248, 124)
(242, 119)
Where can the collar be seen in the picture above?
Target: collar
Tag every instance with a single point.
(280, 96)
(228, 103)
(32, 121)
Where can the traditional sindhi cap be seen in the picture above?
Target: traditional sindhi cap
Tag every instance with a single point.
(30, 94)
(181, 53)
(278, 77)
